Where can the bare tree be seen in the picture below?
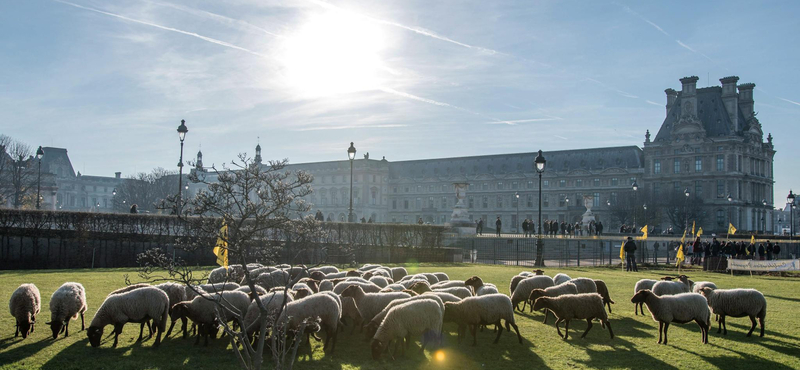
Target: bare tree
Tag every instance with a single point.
(682, 211)
(17, 172)
(147, 190)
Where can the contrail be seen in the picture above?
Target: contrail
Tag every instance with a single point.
(201, 37)
(215, 16)
(320, 128)
(652, 102)
(514, 122)
(789, 101)
(683, 45)
(618, 91)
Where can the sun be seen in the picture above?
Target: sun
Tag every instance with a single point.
(333, 53)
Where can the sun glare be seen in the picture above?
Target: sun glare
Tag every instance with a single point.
(333, 53)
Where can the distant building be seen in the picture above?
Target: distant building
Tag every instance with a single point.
(74, 191)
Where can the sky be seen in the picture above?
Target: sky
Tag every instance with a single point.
(413, 79)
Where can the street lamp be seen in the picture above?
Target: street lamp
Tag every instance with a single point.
(351, 154)
(182, 130)
(730, 210)
(39, 155)
(540, 164)
(516, 195)
(635, 187)
(645, 213)
(686, 208)
(790, 201)
(764, 216)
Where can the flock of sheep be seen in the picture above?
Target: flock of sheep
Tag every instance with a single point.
(389, 304)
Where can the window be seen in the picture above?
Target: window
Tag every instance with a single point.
(529, 200)
(578, 183)
(471, 202)
(419, 188)
(720, 218)
(419, 203)
(431, 205)
(405, 204)
(720, 188)
(485, 186)
(546, 200)
(406, 189)
(677, 166)
(656, 189)
(444, 202)
(430, 188)
(514, 222)
(676, 185)
(499, 186)
(698, 188)
(613, 198)
(614, 181)
(561, 200)
(546, 184)
(657, 166)
(485, 202)
(596, 199)
(698, 164)
(530, 184)
(720, 162)
(596, 183)
(514, 185)
(499, 201)
(562, 183)
(394, 189)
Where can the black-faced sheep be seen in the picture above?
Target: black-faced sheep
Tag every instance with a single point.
(67, 303)
(602, 289)
(585, 306)
(25, 304)
(479, 287)
(482, 310)
(679, 308)
(412, 318)
(526, 286)
(642, 285)
(139, 305)
(553, 291)
(320, 307)
(737, 303)
(370, 304)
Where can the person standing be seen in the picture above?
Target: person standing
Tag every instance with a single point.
(499, 225)
(479, 226)
(134, 209)
(761, 251)
(630, 255)
(419, 222)
(776, 251)
(525, 228)
(769, 250)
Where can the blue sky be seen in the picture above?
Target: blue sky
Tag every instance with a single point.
(110, 81)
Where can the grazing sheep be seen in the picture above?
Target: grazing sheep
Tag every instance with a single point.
(584, 285)
(138, 306)
(515, 281)
(204, 309)
(128, 288)
(303, 292)
(312, 284)
(66, 303)
(380, 271)
(333, 275)
(420, 288)
(459, 292)
(370, 304)
(246, 289)
(679, 308)
(25, 304)
(368, 266)
(737, 303)
(324, 269)
(367, 287)
(585, 306)
(602, 289)
(393, 288)
(325, 285)
(642, 285)
(685, 279)
(669, 288)
(411, 281)
(483, 310)
(234, 273)
(269, 280)
(441, 276)
(353, 273)
(398, 273)
(432, 279)
(524, 288)
(407, 320)
(376, 321)
(553, 291)
(380, 281)
(318, 306)
(176, 293)
(561, 278)
(479, 287)
(449, 284)
(272, 302)
(702, 284)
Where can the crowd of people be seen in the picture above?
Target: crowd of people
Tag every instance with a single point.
(549, 228)
(700, 251)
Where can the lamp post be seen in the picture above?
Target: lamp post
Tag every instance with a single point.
(516, 195)
(764, 216)
(540, 164)
(182, 130)
(635, 187)
(645, 213)
(39, 155)
(351, 154)
(790, 201)
(730, 211)
(686, 208)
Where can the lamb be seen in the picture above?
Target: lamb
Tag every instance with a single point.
(679, 308)
(407, 320)
(449, 284)
(398, 272)
(553, 291)
(321, 306)
(480, 287)
(698, 286)
(139, 305)
(481, 310)
(584, 285)
(602, 289)
(669, 288)
(66, 303)
(441, 276)
(370, 304)
(561, 278)
(737, 303)
(25, 304)
(584, 306)
(366, 287)
(524, 288)
(376, 321)
(642, 285)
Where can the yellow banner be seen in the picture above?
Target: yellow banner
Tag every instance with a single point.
(221, 248)
(731, 229)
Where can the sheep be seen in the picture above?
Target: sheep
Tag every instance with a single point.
(353, 273)
(481, 310)
(380, 281)
(246, 289)
(219, 287)
(321, 306)
(702, 284)
(25, 304)
(449, 284)
(313, 284)
(642, 285)
(441, 276)
(685, 279)
(737, 303)
(370, 304)
(584, 306)
(128, 288)
(204, 309)
(272, 302)
(273, 279)
(139, 305)
(376, 321)
(411, 281)
(333, 275)
(380, 271)
(398, 272)
(669, 288)
(678, 308)
(367, 267)
(420, 288)
(602, 289)
(584, 285)
(393, 288)
(367, 287)
(303, 292)
(459, 292)
(353, 278)
(553, 291)
(480, 287)
(66, 303)
(176, 293)
(233, 273)
(324, 269)
(561, 278)
(524, 288)
(515, 281)
(407, 320)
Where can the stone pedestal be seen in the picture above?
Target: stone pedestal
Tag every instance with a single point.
(459, 219)
(588, 216)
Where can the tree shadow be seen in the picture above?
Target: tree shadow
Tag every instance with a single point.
(783, 298)
(740, 335)
(746, 360)
(625, 355)
(27, 348)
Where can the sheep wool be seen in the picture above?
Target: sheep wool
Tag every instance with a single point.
(272, 302)
(317, 306)
(481, 310)
(479, 287)
(669, 288)
(678, 308)
(398, 273)
(380, 281)
(136, 306)
(642, 285)
(422, 316)
(376, 321)
(561, 278)
(370, 304)
(176, 293)
(526, 286)
(25, 304)
(698, 286)
(441, 276)
(459, 292)
(449, 284)
(602, 289)
(584, 306)
(584, 285)
(366, 287)
(553, 291)
(737, 303)
(67, 303)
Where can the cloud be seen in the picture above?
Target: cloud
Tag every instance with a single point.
(217, 17)
(623, 93)
(514, 122)
(652, 102)
(345, 127)
(681, 43)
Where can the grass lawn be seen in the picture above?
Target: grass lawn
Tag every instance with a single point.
(634, 345)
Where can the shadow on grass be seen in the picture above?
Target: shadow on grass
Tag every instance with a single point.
(738, 332)
(747, 360)
(783, 298)
(27, 348)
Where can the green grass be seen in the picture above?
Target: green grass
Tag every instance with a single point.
(633, 347)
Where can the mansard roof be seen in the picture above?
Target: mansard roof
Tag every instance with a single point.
(53, 156)
(710, 111)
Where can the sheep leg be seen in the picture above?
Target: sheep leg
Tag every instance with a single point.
(703, 330)
(546, 313)
(566, 329)
(335, 334)
(753, 326)
(609, 306)
(761, 321)
(559, 329)
(66, 327)
(172, 325)
(666, 328)
(425, 340)
(724, 325)
(83, 323)
(588, 327)
(159, 329)
(117, 332)
(608, 324)
(141, 330)
(499, 331)
(474, 330)
(660, 330)
(516, 329)
(16, 333)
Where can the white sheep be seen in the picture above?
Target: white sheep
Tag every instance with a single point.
(642, 285)
(441, 276)
(380, 281)
(376, 321)
(669, 288)
(398, 273)
(370, 304)
(561, 278)
(678, 308)
(272, 302)
(481, 310)
(459, 292)
(479, 287)
(246, 289)
(67, 303)
(206, 309)
(269, 280)
(233, 273)
(139, 305)
(737, 303)
(25, 304)
(584, 285)
(325, 285)
(553, 291)
(702, 284)
(176, 293)
(585, 306)
(324, 269)
(526, 286)
(395, 287)
(408, 283)
(433, 279)
(367, 287)
(515, 281)
(320, 307)
(422, 316)
(449, 284)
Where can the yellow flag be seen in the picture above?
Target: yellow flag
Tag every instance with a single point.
(679, 257)
(683, 238)
(221, 248)
(692, 228)
(752, 239)
(622, 251)
(731, 229)
(699, 232)
(644, 232)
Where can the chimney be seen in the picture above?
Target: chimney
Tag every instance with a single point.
(671, 96)
(689, 95)
(117, 175)
(730, 100)
(746, 99)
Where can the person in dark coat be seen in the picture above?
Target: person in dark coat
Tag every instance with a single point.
(134, 209)
(761, 251)
(630, 255)
(716, 247)
(479, 227)
(776, 251)
(751, 251)
(599, 227)
(525, 228)
(319, 216)
(769, 250)
(499, 225)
